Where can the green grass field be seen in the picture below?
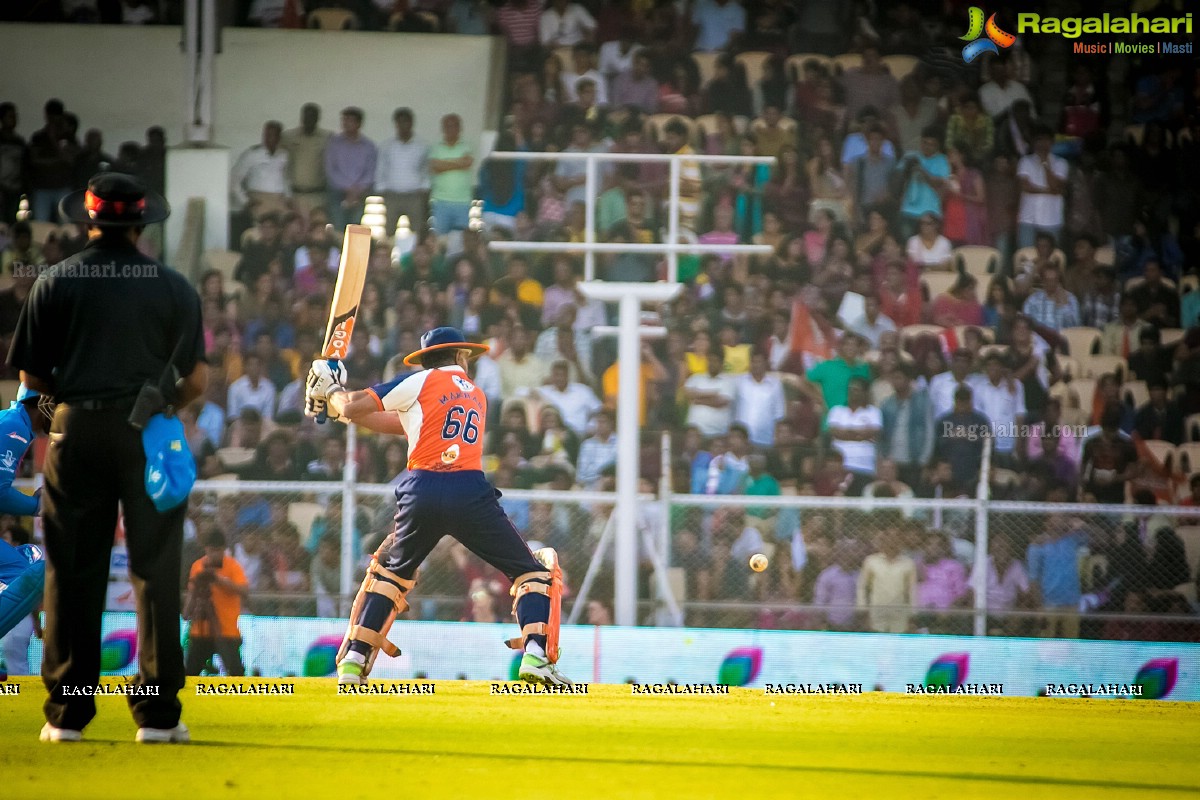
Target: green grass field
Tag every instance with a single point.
(463, 742)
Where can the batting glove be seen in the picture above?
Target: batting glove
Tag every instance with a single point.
(324, 377)
(315, 407)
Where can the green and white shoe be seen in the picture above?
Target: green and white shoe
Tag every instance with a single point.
(536, 669)
(351, 672)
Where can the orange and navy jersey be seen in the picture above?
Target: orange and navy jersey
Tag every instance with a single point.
(443, 415)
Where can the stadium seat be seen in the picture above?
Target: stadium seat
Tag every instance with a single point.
(752, 62)
(1191, 428)
(938, 282)
(708, 125)
(900, 66)
(977, 260)
(1095, 366)
(1081, 342)
(1135, 394)
(235, 457)
(786, 123)
(1030, 253)
(1163, 451)
(913, 331)
(989, 336)
(1187, 458)
(1105, 254)
(302, 514)
(988, 349)
(1171, 336)
(795, 64)
(1138, 280)
(223, 261)
(566, 57)
(8, 392)
(656, 126)
(235, 290)
(332, 19)
(1068, 367)
(706, 65)
(847, 61)
(1189, 283)
(41, 230)
(1077, 393)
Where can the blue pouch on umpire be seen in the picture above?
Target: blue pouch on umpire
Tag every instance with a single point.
(170, 467)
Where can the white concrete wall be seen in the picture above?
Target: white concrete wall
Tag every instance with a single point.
(123, 80)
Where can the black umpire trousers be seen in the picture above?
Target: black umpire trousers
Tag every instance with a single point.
(95, 461)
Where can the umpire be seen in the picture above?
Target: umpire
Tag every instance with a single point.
(95, 329)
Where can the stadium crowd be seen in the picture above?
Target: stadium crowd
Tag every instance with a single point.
(1001, 252)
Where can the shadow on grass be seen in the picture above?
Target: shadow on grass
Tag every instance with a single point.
(1035, 780)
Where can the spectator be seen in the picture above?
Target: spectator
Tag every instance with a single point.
(21, 255)
(402, 174)
(564, 341)
(924, 173)
(52, 151)
(576, 402)
(451, 186)
(1008, 586)
(829, 381)
(959, 439)
(837, 588)
(914, 114)
(520, 370)
(969, 130)
(710, 396)
(907, 426)
(870, 173)
(965, 200)
(958, 305)
(598, 451)
(259, 184)
(928, 248)
(636, 88)
(758, 401)
(617, 55)
(306, 159)
(252, 390)
(520, 22)
(14, 164)
(869, 85)
(350, 159)
(1099, 296)
(854, 430)
(1160, 418)
(265, 252)
(1157, 302)
(565, 24)
(1123, 335)
(887, 586)
(326, 576)
(584, 69)
(1053, 559)
(1052, 306)
(91, 158)
(873, 323)
(1001, 399)
(1109, 461)
(216, 587)
(1151, 362)
(727, 93)
(332, 463)
(1000, 93)
(729, 472)
(1043, 179)
(719, 23)
(316, 262)
(943, 583)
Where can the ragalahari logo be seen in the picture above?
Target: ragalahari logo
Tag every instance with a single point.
(740, 667)
(321, 658)
(1157, 677)
(996, 40)
(949, 670)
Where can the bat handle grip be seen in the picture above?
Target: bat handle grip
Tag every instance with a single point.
(323, 416)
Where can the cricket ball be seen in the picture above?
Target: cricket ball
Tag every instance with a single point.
(758, 562)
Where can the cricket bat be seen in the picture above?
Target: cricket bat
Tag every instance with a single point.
(347, 293)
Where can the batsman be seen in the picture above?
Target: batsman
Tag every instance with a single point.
(444, 491)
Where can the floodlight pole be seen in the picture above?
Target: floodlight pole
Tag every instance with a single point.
(629, 297)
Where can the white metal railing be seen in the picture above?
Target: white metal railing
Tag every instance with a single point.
(671, 248)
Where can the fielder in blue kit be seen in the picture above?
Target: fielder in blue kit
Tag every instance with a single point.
(23, 568)
(443, 492)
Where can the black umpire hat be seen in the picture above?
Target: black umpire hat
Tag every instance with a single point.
(114, 199)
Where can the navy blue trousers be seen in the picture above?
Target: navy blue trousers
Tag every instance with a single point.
(430, 505)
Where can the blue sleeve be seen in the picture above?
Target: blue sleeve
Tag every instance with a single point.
(382, 390)
(15, 436)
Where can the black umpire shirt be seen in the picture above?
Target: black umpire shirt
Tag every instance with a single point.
(106, 320)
